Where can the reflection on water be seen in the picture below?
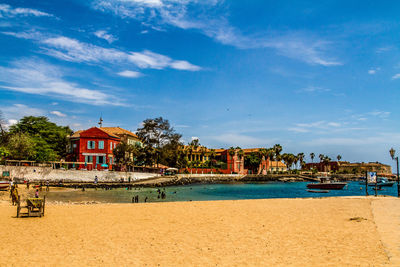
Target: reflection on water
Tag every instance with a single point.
(211, 192)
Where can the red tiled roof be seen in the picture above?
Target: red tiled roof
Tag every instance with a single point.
(117, 131)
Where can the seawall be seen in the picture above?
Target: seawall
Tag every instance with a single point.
(47, 173)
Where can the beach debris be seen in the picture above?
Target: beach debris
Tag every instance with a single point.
(357, 219)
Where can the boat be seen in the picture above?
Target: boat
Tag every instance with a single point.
(317, 191)
(326, 184)
(381, 181)
(4, 185)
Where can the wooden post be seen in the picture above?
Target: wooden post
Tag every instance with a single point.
(366, 183)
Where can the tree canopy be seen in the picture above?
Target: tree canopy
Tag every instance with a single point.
(161, 142)
(34, 138)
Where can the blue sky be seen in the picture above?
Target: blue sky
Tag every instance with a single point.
(315, 76)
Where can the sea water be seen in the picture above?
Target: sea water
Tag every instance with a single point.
(203, 192)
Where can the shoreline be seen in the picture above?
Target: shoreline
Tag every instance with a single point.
(165, 181)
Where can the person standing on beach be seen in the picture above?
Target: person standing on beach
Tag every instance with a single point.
(37, 193)
(96, 179)
(47, 186)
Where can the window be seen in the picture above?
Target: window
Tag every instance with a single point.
(91, 144)
(88, 158)
(74, 145)
(111, 160)
(111, 146)
(101, 144)
(115, 145)
(100, 159)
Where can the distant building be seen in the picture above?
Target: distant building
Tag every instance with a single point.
(233, 163)
(363, 167)
(277, 166)
(95, 146)
(347, 167)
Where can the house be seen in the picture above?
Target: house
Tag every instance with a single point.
(277, 166)
(95, 146)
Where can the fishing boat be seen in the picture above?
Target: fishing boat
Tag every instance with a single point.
(381, 181)
(317, 191)
(326, 184)
(4, 185)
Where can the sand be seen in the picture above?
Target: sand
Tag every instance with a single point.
(273, 232)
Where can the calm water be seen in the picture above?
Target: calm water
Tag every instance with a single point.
(213, 192)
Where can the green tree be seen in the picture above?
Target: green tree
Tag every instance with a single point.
(21, 146)
(50, 140)
(252, 161)
(4, 153)
(339, 157)
(158, 136)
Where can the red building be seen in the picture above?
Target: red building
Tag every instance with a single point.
(94, 147)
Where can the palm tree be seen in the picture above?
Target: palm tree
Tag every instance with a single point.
(300, 156)
(277, 149)
(339, 157)
(326, 160)
(240, 155)
(291, 159)
(190, 152)
(211, 156)
(231, 152)
(270, 154)
(321, 157)
(312, 155)
(295, 160)
(285, 157)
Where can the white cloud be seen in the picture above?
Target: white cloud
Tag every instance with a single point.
(105, 35)
(129, 74)
(58, 113)
(373, 71)
(17, 111)
(314, 89)
(8, 11)
(396, 76)
(69, 49)
(32, 77)
(312, 126)
(379, 114)
(204, 17)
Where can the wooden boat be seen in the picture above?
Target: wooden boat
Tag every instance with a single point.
(317, 191)
(327, 186)
(4, 185)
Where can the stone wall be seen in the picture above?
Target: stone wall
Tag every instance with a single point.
(47, 173)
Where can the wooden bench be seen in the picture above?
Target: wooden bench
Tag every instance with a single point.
(34, 207)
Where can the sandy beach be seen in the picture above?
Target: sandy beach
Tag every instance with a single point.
(273, 232)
